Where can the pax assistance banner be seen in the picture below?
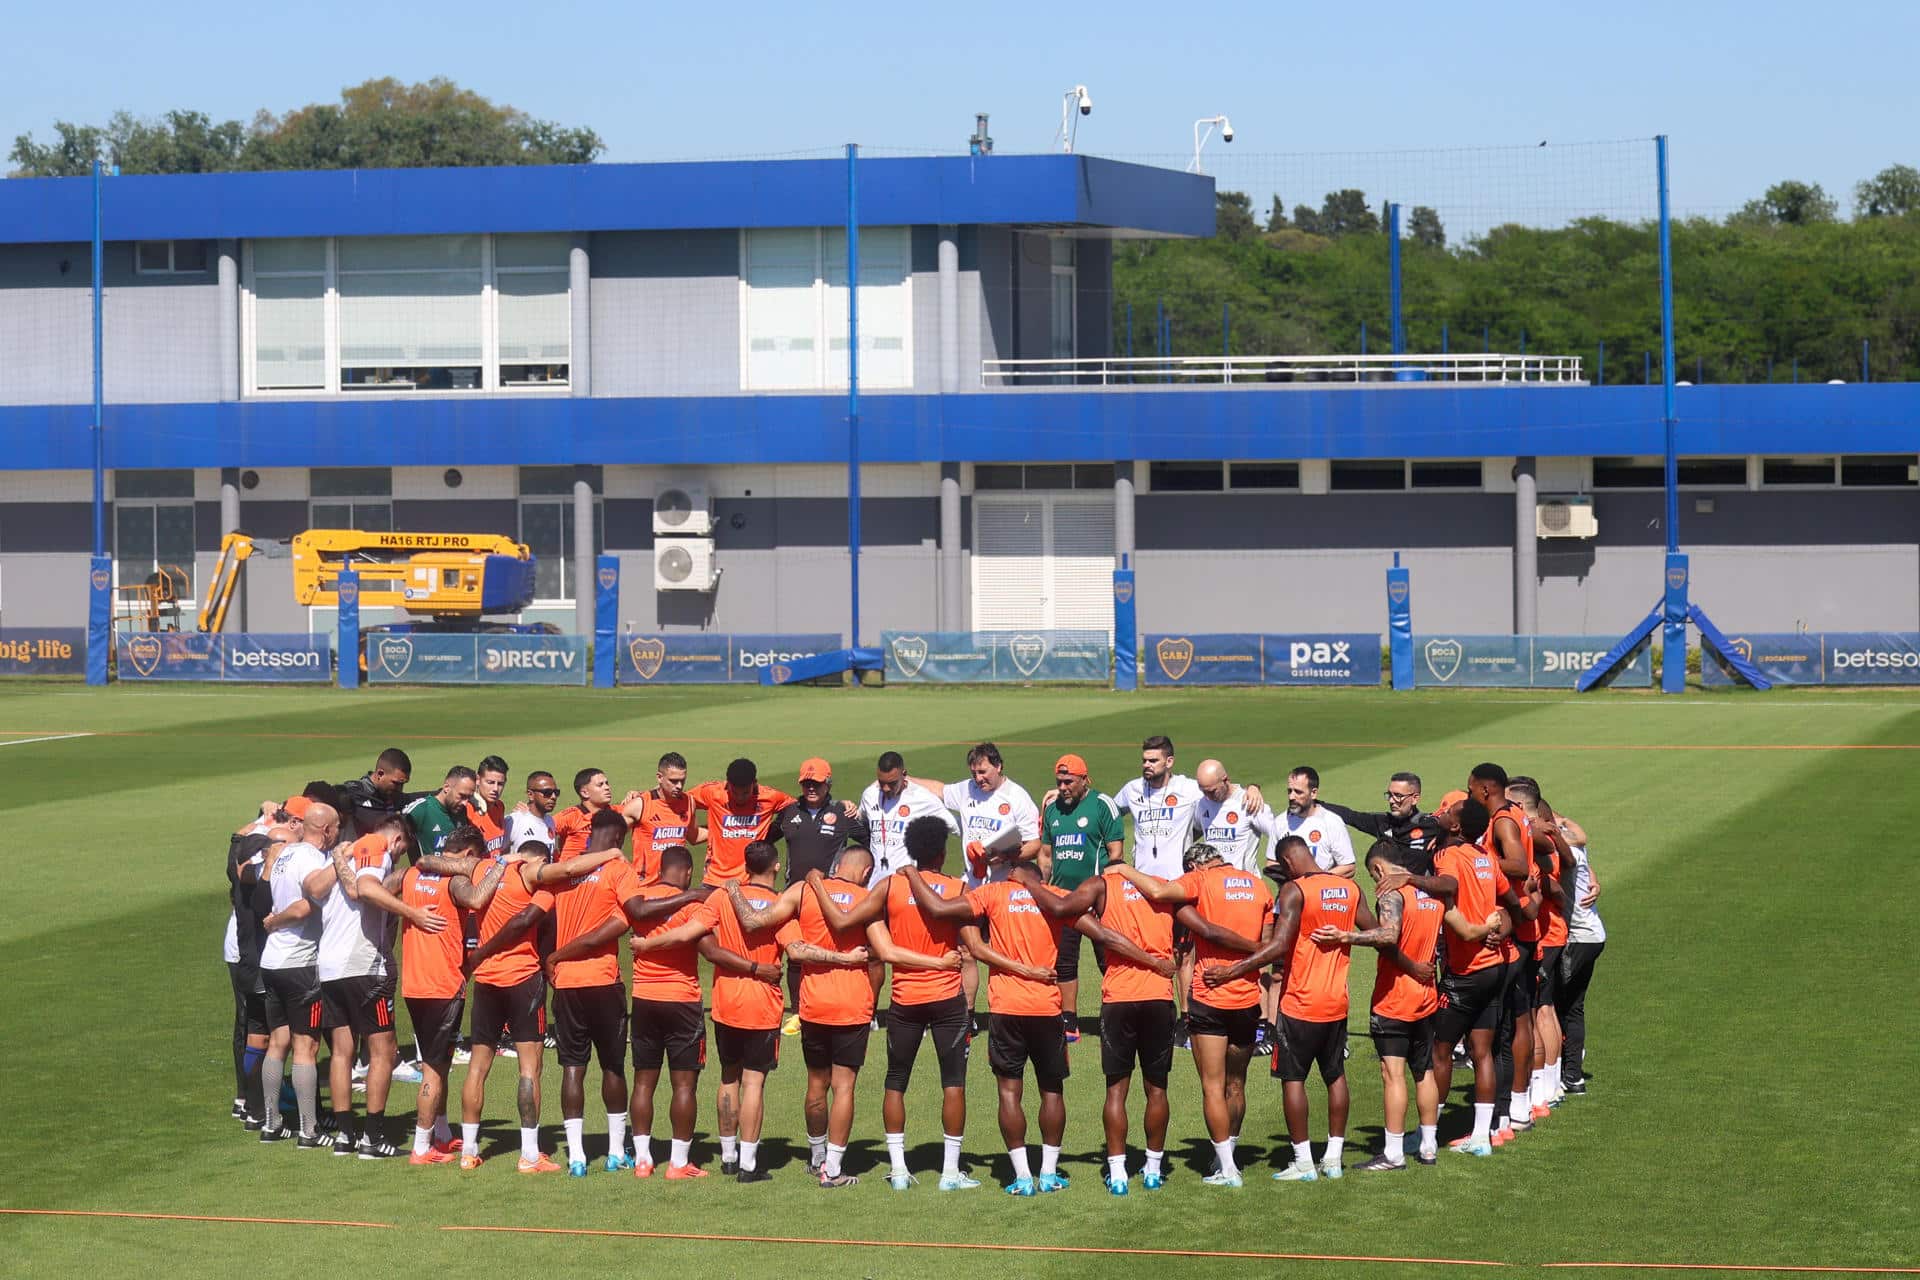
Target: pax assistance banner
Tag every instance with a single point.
(1519, 662)
(1244, 658)
(972, 657)
(441, 658)
(246, 657)
(711, 658)
(43, 651)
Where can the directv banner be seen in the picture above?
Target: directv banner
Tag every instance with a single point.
(709, 658)
(969, 657)
(261, 659)
(1345, 659)
(1784, 658)
(43, 651)
(433, 658)
(1520, 662)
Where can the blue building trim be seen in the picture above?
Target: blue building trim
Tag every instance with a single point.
(1081, 191)
(1001, 426)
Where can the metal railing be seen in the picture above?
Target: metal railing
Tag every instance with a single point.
(1491, 368)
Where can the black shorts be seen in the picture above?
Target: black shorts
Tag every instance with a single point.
(588, 1021)
(1523, 975)
(748, 1048)
(1137, 1030)
(519, 1010)
(1547, 993)
(1413, 1041)
(293, 1000)
(436, 1027)
(824, 1045)
(1015, 1039)
(951, 1024)
(1237, 1025)
(1067, 967)
(249, 1002)
(363, 1003)
(1308, 1044)
(1468, 1002)
(674, 1030)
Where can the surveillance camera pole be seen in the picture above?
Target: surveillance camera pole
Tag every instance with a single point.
(1069, 126)
(1200, 139)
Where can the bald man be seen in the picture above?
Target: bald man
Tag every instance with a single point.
(289, 967)
(1224, 818)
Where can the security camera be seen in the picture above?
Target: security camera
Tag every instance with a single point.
(1226, 134)
(1086, 100)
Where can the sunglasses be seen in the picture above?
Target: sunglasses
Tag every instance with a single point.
(543, 791)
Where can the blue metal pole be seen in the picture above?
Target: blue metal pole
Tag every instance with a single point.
(1646, 370)
(1393, 268)
(1363, 337)
(1666, 352)
(1443, 337)
(1600, 374)
(1866, 368)
(853, 388)
(99, 385)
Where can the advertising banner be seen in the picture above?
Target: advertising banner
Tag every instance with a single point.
(43, 651)
(967, 657)
(1243, 658)
(1322, 659)
(435, 658)
(711, 657)
(1520, 662)
(1871, 657)
(1784, 657)
(250, 658)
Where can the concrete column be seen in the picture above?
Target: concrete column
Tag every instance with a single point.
(1123, 514)
(949, 310)
(1526, 550)
(582, 551)
(952, 594)
(579, 284)
(230, 523)
(229, 281)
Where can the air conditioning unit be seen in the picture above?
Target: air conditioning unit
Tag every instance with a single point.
(1565, 516)
(683, 510)
(684, 564)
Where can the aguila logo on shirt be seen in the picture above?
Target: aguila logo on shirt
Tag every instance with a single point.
(647, 652)
(1175, 656)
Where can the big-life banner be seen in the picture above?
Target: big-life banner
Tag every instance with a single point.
(43, 651)
(972, 657)
(253, 658)
(442, 658)
(1519, 662)
(704, 657)
(1245, 658)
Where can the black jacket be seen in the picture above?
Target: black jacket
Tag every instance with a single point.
(252, 896)
(362, 805)
(815, 839)
(1414, 836)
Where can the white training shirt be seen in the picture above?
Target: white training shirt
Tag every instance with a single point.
(230, 945)
(298, 946)
(356, 938)
(1162, 822)
(985, 814)
(1583, 923)
(522, 827)
(1325, 834)
(1228, 827)
(887, 827)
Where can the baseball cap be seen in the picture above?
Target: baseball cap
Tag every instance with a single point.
(816, 770)
(297, 806)
(1072, 764)
(1452, 798)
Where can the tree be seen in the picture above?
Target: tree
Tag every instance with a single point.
(72, 154)
(1233, 216)
(1891, 193)
(1277, 216)
(1423, 226)
(1790, 204)
(1306, 218)
(1345, 212)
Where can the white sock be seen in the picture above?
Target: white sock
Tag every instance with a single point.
(1429, 1139)
(616, 1131)
(680, 1151)
(576, 1139)
(831, 1168)
(1554, 1077)
(1223, 1156)
(1303, 1154)
(1334, 1147)
(1049, 1159)
(897, 1153)
(1482, 1120)
(1019, 1157)
(469, 1139)
(1153, 1161)
(749, 1156)
(1540, 1090)
(422, 1140)
(1519, 1107)
(643, 1148)
(529, 1142)
(816, 1149)
(442, 1132)
(949, 1154)
(729, 1148)
(1396, 1147)
(1117, 1168)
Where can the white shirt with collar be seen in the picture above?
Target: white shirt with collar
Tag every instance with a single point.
(887, 824)
(1229, 827)
(1325, 834)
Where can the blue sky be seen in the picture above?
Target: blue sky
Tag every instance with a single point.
(1749, 92)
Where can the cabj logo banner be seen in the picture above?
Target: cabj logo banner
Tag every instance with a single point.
(968, 657)
(710, 658)
(1241, 658)
(43, 651)
(1784, 657)
(1519, 662)
(433, 658)
(254, 659)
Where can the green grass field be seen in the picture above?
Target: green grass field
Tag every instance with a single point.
(1751, 1026)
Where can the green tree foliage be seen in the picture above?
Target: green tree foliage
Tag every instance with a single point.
(1791, 204)
(1277, 216)
(381, 124)
(1424, 229)
(1233, 216)
(1892, 193)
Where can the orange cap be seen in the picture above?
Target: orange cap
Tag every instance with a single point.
(816, 770)
(1452, 798)
(1072, 764)
(297, 806)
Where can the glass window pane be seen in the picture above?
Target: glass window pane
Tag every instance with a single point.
(532, 251)
(350, 482)
(783, 313)
(1710, 471)
(1263, 475)
(1064, 343)
(173, 544)
(330, 515)
(1094, 475)
(413, 319)
(1062, 248)
(1369, 475)
(535, 318)
(541, 529)
(556, 481)
(885, 264)
(189, 255)
(375, 517)
(153, 255)
(1184, 477)
(1050, 475)
(290, 332)
(1464, 474)
(1796, 471)
(410, 253)
(1628, 473)
(133, 541)
(1897, 470)
(153, 484)
(996, 475)
(308, 255)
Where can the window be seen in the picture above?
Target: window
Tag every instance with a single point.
(290, 315)
(170, 257)
(1064, 335)
(546, 526)
(794, 308)
(153, 528)
(351, 498)
(410, 312)
(1047, 475)
(533, 315)
(1463, 474)
(1263, 475)
(1651, 473)
(1185, 477)
(1370, 475)
(1880, 470)
(1796, 471)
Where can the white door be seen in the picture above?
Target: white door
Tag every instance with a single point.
(1043, 561)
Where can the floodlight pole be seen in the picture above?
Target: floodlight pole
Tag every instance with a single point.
(1666, 355)
(99, 387)
(853, 391)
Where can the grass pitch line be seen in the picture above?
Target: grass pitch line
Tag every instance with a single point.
(979, 1247)
(51, 737)
(1737, 1266)
(195, 1217)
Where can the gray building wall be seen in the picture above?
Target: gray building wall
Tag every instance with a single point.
(665, 313)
